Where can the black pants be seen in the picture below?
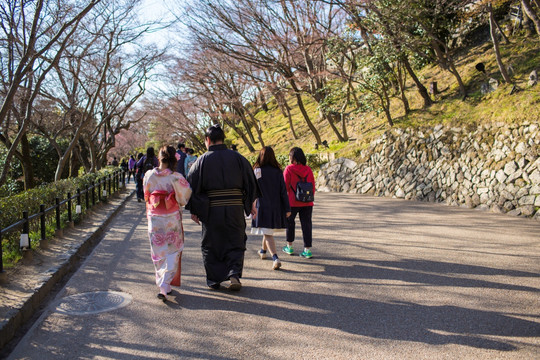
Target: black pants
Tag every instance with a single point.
(305, 213)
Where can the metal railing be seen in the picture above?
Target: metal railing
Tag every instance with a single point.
(106, 186)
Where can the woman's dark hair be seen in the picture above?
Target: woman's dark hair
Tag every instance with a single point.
(167, 155)
(215, 133)
(150, 152)
(140, 156)
(190, 151)
(266, 157)
(297, 154)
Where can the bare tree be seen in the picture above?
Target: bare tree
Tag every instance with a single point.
(97, 108)
(249, 31)
(532, 13)
(34, 37)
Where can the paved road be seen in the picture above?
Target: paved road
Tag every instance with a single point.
(390, 279)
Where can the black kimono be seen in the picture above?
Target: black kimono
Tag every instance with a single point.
(227, 178)
(273, 204)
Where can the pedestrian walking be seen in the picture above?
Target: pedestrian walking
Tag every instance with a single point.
(145, 164)
(224, 188)
(181, 157)
(272, 207)
(295, 173)
(124, 165)
(131, 168)
(190, 160)
(165, 192)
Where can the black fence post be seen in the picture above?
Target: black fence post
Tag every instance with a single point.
(86, 195)
(93, 193)
(57, 201)
(109, 183)
(79, 199)
(1, 254)
(70, 218)
(99, 190)
(26, 228)
(42, 221)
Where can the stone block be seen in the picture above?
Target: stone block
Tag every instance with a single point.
(510, 168)
(366, 187)
(527, 210)
(527, 200)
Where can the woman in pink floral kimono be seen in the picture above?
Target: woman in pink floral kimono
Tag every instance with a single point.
(165, 192)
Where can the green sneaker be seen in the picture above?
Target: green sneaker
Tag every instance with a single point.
(288, 249)
(306, 254)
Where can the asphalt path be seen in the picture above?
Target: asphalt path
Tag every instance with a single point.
(390, 279)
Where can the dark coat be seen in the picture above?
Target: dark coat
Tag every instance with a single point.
(273, 204)
(180, 164)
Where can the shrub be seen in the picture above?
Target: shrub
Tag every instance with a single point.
(12, 207)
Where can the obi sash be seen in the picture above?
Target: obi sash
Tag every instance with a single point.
(161, 201)
(225, 197)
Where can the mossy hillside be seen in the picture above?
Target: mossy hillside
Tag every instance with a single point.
(523, 55)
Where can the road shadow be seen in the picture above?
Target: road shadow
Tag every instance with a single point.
(403, 321)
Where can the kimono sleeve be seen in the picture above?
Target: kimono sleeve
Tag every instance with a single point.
(182, 190)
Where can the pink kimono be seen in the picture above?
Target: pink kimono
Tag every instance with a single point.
(165, 192)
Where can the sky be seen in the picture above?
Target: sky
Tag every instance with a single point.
(152, 10)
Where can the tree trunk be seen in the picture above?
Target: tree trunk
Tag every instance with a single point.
(246, 124)
(286, 111)
(304, 112)
(238, 131)
(506, 40)
(502, 69)
(528, 9)
(446, 63)
(421, 88)
(257, 127)
(26, 163)
(402, 81)
(385, 103)
(330, 119)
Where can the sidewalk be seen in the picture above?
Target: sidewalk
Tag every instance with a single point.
(30, 282)
(390, 279)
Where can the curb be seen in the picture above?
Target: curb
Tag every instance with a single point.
(21, 314)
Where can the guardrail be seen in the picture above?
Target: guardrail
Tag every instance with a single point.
(106, 186)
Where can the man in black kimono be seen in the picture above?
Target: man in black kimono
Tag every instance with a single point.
(224, 190)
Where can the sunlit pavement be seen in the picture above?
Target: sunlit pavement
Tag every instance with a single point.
(390, 279)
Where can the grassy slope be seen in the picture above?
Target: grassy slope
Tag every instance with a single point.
(524, 106)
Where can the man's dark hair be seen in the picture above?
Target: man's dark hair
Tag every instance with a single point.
(215, 133)
(150, 152)
(181, 145)
(297, 154)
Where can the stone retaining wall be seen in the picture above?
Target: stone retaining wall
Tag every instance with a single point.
(494, 167)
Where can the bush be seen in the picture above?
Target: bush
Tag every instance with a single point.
(12, 207)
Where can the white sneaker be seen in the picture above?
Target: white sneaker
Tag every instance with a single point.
(276, 265)
(262, 255)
